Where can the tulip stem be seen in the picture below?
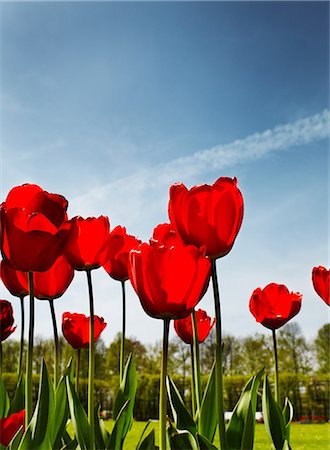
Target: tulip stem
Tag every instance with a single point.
(91, 365)
(78, 353)
(277, 395)
(193, 382)
(219, 358)
(56, 354)
(0, 359)
(21, 349)
(197, 363)
(163, 398)
(28, 385)
(122, 345)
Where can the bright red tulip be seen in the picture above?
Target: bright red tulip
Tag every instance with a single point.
(165, 235)
(119, 245)
(274, 305)
(15, 281)
(53, 282)
(209, 216)
(75, 328)
(6, 320)
(10, 425)
(169, 281)
(34, 228)
(87, 245)
(184, 327)
(321, 283)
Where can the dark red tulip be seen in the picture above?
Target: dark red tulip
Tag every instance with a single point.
(15, 281)
(34, 228)
(6, 320)
(274, 305)
(169, 281)
(184, 327)
(119, 245)
(165, 234)
(10, 425)
(87, 245)
(209, 216)
(53, 282)
(75, 328)
(321, 283)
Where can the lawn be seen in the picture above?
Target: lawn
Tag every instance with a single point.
(303, 436)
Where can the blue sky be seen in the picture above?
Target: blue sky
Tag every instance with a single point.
(110, 103)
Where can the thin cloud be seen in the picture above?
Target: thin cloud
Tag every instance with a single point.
(129, 191)
(255, 146)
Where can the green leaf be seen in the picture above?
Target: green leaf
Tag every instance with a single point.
(287, 414)
(183, 440)
(4, 400)
(117, 436)
(205, 444)
(147, 440)
(182, 417)
(18, 401)
(101, 433)
(79, 419)
(61, 413)
(273, 418)
(72, 445)
(240, 431)
(286, 445)
(37, 436)
(208, 418)
(127, 391)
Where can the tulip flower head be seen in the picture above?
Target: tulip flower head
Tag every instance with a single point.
(87, 245)
(209, 216)
(6, 320)
(165, 235)
(75, 328)
(15, 281)
(184, 327)
(119, 245)
(10, 425)
(169, 281)
(53, 282)
(321, 283)
(274, 305)
(34, 228)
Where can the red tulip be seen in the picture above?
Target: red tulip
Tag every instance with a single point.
(169, 281)
(321, 283)
(75, 328)
(87, 245)
(274, 305)
(34, 228)
(53, 282)
(10, 425)
(209, 216)
(165, 234)
(184, 327)
(6, 320)
(119, 245)
(15, 281)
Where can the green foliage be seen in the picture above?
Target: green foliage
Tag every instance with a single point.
(321, 347)
(240, 431)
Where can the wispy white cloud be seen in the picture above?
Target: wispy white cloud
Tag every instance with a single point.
(255, 146)
(128, 193)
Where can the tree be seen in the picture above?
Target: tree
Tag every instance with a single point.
(132, 345)
(256, 353)
(322, 348)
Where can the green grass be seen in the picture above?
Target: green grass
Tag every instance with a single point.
(303, 436)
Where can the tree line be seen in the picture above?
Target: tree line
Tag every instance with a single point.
(304, 366)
